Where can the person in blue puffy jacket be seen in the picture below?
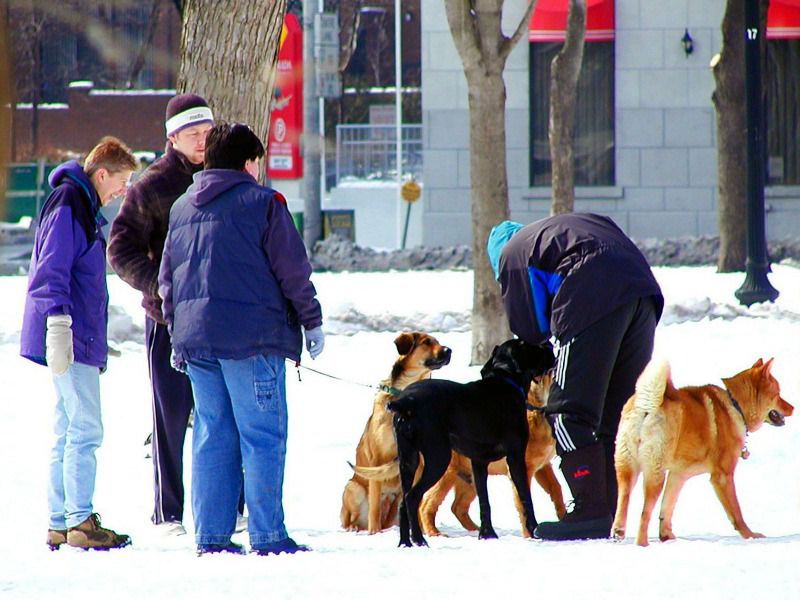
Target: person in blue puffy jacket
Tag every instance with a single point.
(64, 328)
(237, 297)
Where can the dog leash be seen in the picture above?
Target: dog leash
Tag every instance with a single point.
(381, 387)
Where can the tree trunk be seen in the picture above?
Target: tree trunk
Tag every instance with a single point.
(476, 29)
(564, 73)
(489, 183)
(729, 101)
(228, 56)
(731, 110)
(7, 104)
(36, 78)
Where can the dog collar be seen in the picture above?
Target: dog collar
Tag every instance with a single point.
(389, 390)
(520, 389)
(745, 451)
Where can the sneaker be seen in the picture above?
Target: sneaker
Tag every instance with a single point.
(56, 537)
(241, 524)
(284, 546)
(230, 548)
(171, 528)
(89, 535)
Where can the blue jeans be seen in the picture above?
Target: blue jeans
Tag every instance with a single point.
(78, 434)
(240, 423)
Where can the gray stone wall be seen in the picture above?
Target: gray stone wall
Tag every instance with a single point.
(666, 164)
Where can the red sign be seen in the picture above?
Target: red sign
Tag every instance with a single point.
(549, 21)
(284, 160)
(783, 19)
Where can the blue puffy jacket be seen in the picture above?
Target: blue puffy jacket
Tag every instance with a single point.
(234, 275)
(68, 269)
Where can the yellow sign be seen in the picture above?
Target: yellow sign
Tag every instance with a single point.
(410, 191)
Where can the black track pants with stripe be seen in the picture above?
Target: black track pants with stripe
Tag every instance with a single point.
(596, 373)
(172, 403)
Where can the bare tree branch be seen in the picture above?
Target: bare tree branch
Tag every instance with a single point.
(147, 40)
(522, 28)
(462, 27)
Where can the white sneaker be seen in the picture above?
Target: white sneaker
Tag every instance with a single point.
(241, 524)
(169, 528)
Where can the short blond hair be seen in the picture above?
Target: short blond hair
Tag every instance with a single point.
(112, 155)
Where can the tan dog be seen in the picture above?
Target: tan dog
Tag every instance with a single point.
(689, 431)
(372, 505)
(538, 454)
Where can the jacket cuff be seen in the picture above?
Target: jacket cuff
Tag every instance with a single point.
(62, 309)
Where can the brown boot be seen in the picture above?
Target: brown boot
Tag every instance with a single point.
(56, 537)
(90, 536)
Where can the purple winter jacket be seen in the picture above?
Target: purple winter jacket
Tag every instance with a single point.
(234, 278)
(68, 269)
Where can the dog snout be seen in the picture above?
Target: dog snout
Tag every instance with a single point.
(440, 358)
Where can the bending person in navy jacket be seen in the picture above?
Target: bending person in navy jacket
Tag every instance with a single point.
(236, 290)
(578, 279)
(64, 327)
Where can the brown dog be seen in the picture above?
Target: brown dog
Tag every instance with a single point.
(689, 431)
(372, 504)
(539, 452)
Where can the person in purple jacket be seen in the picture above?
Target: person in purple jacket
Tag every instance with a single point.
(64, 328)
(237, 296)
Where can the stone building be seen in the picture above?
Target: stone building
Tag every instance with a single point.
(646, 153)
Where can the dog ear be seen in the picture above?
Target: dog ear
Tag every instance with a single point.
(766, 370)
(489, 365)
(405, 342)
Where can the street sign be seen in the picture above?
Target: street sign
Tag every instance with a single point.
(326, 29)
(326, 52)
(329, 85)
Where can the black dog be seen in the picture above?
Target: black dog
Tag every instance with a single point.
(484, 420)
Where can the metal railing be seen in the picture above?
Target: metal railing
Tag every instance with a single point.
(370, 152)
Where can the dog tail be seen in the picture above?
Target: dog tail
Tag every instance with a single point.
(651, 385)
(385, 472)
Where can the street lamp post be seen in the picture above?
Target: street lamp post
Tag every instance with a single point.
(756, 286)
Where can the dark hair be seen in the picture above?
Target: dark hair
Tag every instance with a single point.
(230, 146)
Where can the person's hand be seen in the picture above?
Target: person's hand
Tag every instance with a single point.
(315, 341)
(177, 365)
(58, 343)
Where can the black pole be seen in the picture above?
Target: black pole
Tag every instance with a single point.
(756, 286)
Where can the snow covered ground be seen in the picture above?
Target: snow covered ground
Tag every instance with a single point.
(705, 334)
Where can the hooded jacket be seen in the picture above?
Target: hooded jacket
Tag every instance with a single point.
(68, 269)
(234, 276)
(563, 273)
(137, 236)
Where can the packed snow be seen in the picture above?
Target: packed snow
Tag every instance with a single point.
(705, 334)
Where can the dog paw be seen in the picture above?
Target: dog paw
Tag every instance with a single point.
(618, 534)
(752, 535)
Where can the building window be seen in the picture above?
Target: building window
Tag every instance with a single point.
(783, 111)
(593, 145)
